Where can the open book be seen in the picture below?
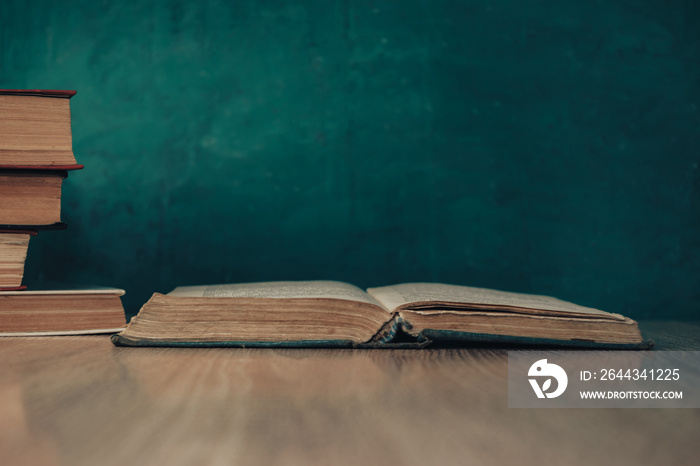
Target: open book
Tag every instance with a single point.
(327, 313)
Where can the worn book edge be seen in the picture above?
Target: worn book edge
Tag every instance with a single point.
(455, 337)
(49, 226)
(97, 331)
(394, 335)
(56, 93)
(43, 167)
(426, 338)
(119, 340)
(66, 290)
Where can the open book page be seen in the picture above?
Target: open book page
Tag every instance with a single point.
(303, 289)
(464, 297)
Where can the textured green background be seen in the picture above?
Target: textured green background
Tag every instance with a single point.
(543, 146)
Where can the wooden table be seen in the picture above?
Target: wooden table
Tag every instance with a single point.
(82, 401)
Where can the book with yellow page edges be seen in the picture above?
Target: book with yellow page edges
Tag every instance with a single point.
(336, 314)
(61, 311)
(35, 129)
(13, 253)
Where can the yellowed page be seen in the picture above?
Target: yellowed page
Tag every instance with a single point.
(395, 296)
(289, 289)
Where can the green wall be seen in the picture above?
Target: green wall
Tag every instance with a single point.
(542, 146)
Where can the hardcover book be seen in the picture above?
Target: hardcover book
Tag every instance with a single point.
(31, 198)
(68, 311)
(13, 254)
(35, 129)
(327, 313)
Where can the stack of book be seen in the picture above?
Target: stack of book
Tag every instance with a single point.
(36, 155)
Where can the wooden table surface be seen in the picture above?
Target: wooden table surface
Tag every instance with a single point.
(82, 401)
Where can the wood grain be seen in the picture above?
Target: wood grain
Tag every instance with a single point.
(81, 401)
